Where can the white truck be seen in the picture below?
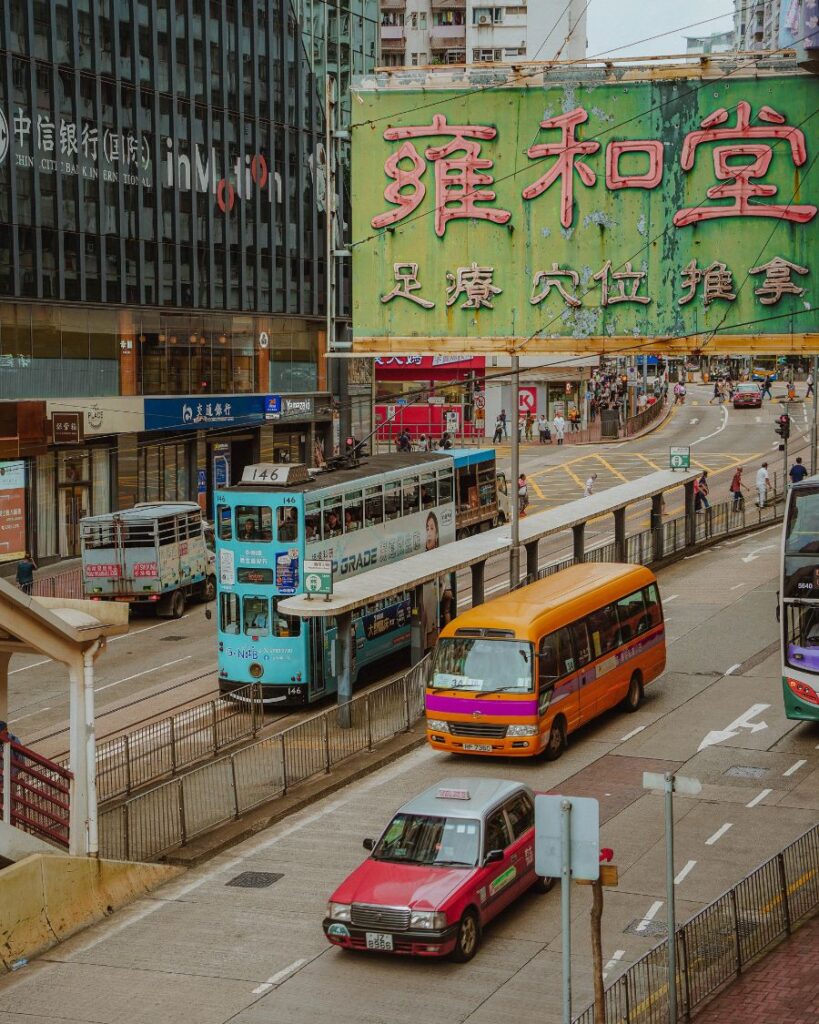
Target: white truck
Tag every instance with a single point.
(154, 555)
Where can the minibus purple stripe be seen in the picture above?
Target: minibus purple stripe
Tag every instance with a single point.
(465, 706)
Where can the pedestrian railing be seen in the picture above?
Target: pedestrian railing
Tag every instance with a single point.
(62, 584)
(35, 793)
(170, 815)
(715, 945)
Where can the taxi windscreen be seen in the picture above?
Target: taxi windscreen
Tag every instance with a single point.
(482, 666)
(430, 840)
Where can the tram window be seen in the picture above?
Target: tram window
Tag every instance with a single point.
(373, 506)
(254, 523)
(352, 511)
(284, 625)
(229, 613)
(445, 489)
(411, 495)
(392, 500)
(256, 613)
(312, 521)
(287, 523)
(332, 517)
(224, 521)
(428, 491)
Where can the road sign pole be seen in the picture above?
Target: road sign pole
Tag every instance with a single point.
(669, 886)
(813, 421)
(565, 907)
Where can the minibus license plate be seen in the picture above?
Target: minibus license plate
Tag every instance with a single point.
(477, 746)
(379, 940)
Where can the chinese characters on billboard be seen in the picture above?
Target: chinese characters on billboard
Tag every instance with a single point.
(12, 510)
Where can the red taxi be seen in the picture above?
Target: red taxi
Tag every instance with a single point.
(448, 862)
(747, 396)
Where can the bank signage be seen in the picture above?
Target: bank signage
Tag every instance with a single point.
(200, 412)
(583, 209)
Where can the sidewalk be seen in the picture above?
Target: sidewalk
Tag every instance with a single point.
(782, 988)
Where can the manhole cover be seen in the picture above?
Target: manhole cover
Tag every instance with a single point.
(745, 771)
(172, 639)
(648, 929)
(254, 879)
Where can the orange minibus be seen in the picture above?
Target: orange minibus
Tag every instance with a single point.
(515, 676)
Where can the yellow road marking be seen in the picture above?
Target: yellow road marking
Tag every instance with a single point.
(610, 468)
(667, 420)
(796, 884)
(646, 459)
(535, 487)
(574, 477)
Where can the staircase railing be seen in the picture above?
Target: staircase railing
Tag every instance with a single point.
(35, 793)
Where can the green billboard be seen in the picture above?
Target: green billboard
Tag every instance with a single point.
(585, 209)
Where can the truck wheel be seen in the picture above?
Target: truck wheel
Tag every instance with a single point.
(177, 605)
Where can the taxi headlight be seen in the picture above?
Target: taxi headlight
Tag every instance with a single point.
(338, 911)
(522, 730)
(437, 725)
(427, 919)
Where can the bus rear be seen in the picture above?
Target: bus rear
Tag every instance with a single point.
(799, 602)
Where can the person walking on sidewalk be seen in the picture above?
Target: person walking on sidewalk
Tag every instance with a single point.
(588, 491)
(809, 393)
(797, 471)
(502, 419)
(530, 422)
(736, 489)
(763, 484)
(559, 425)
(25, 573)
(523, 494)
(543, 429)
(701, 502)
(766, 388)
(497, 437)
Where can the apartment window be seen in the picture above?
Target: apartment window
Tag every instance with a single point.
(422, 19)
(414, 19)
(516, 10)
(418, 59)
(486, 56)
(515, 52)
(448, 18)
(394, 19)
(392, 60)
(487, 15)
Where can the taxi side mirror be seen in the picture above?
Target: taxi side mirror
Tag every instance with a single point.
(493, 857)
(369, 844)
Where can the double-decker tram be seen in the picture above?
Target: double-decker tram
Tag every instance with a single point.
(799, 602)
(360, 517)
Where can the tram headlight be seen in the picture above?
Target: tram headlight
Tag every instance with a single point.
(256, 670)
(437, 725)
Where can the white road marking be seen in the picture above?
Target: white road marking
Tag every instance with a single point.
(719, 430)
(650, 914)
(136, 675)
(25, 668)
(758, 419)
(156, 625)
(755, 553)
(278, 978)
(31, 714)
(742, 722)
(672, 598)
(730, 671)
(688, 867)
(736, 586)
(759, 798)
(618, 955)
(794, 768)
(694, 420)
(719, 833)
(633, 732)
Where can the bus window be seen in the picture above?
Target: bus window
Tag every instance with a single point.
(556, 656)
(373, 506)
(332, 517)
(603, 630)
(411, 495)
(654, 615)
(352, 511)
(256, 616)
(445, 488)
(392, 500)
(229, 613)
(312, 521)
(428, 490)
(631, 612)
(580, 635)
(287, 524)
(254, 523)
(224, 522)
(284, 625)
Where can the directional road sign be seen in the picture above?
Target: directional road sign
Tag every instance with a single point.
(679, 458)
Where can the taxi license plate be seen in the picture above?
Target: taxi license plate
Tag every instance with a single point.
(379, 940)
(477, 746)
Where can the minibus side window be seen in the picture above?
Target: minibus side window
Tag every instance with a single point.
(580, 635)
(603, 630)
(556, 657)
(631, 615)
(654, 615)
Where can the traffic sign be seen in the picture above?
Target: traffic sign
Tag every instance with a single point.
(685, 785)
(679, 458)
(584, 837)
(318, 577)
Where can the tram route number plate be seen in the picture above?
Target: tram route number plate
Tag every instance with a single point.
(379, 940)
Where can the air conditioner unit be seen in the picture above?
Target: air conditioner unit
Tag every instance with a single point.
(483, 20)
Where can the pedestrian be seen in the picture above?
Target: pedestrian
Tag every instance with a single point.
(766, 388)
(530, 422)
(736, 489)
(809, 381)
(446, 440)
(502, 418)
(423, 443)
(25, 573)
(763, 484)
(701, 502)
(497, 437)
(542, 429)
(559, 425)
(593, 405)
(797, 471)
(7, 736)
(523, 494)
(574, 418)
(589, 488)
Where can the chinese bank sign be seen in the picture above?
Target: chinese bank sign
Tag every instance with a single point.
(585, 210)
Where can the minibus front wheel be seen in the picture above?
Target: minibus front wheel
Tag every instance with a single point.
(557, 740)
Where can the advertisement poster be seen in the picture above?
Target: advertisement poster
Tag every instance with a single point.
(287, 571)
(12, 510)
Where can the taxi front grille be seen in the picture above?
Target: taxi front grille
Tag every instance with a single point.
(392, 918)
(485, 730)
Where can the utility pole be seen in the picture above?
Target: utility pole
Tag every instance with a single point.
(514, 504)
(597, 950)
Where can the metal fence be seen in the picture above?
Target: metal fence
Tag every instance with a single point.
(716, 944)
(151, 823)
(35, 793)
(62, 584)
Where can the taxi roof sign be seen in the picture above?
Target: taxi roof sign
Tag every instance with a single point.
(453, 794)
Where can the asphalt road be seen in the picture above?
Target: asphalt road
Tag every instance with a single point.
(164, 663)
(200, 950)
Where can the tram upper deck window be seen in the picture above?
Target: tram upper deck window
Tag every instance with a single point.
(392, 500)
(312, 521)
(428, 490)
(353, 511)
(373, 506)
(254, 523)
(287, 521)
(445, 488)
(332, 517)
(411, 495)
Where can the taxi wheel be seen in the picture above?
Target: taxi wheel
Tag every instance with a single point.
(634, 697)
(469, 938)
(544, 884)
(557, 740)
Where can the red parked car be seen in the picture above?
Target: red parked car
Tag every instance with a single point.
(747, 396)
(448, 862)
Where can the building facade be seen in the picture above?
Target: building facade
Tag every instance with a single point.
(419, 32)
(756, 24)
(162, 233)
